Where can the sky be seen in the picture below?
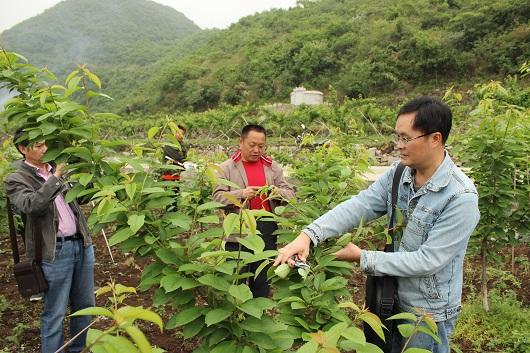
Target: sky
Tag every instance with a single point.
(205, 13)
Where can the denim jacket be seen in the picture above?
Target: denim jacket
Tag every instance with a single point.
(428, 261)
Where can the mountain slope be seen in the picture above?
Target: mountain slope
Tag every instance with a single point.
(120, 40)
(361, 47)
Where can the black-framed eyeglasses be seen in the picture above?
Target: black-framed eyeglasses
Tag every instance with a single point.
(404, 140)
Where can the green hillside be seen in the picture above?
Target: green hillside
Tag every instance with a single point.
(151, 58)
(361, 47)
(118, 39)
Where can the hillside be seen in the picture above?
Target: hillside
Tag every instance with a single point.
(361, 47)
(151, 58)
(118, 39)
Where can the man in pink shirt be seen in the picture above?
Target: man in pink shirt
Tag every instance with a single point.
(37, 191)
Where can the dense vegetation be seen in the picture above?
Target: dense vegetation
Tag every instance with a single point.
(359, 47)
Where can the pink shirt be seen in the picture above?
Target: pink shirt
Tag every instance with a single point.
(67, 225)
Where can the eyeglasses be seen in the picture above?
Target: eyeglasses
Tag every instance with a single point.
(404, 140)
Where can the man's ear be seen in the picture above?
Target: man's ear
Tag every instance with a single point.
(437, 137)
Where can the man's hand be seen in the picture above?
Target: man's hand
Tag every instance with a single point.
(250, 192)
(298, 247)
(350, 252)
(60, 169)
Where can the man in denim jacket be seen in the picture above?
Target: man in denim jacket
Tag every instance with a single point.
(440, 208)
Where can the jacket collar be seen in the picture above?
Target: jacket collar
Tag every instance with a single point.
(439, 179)
(236, 157)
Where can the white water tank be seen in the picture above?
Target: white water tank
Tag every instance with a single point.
(300, 95)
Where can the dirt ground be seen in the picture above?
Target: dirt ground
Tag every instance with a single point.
(19, 318)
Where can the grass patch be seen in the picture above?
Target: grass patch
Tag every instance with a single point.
(505, 328)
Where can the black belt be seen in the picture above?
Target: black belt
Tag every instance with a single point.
(68, 238)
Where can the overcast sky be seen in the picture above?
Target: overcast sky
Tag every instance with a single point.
(205, 13)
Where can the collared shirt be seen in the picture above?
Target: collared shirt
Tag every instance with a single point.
(66, 217)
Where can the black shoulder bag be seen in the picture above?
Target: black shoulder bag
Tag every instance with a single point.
(28, 273)
(381, 291)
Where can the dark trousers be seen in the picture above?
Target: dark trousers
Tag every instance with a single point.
(259, 287)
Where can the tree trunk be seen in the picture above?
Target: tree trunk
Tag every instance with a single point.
(513, 260)
(483, 252)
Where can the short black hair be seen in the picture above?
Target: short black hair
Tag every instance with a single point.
(432, 115)
(19, 140)
(252, 127)
(182, 127)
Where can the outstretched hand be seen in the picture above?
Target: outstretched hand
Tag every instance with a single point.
(350, 252)
(298, 248)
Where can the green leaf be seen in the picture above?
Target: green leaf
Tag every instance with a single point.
(212, 219)
(152, 132)
(139, 339)
(85, 178)
(249, 220)
(230, 223)
(136, 221)
(375, 323)
(282, 271)
(241, 292)
(139, 313)
(71, 195)
(354, 334)
(309, 347)
(209, 206)
(214, 281)
(120, 289)
(187, 315)
(217, 315)
(253, 242)
(120, 236)
(130, 190)
(93, 311)
(193, 328)
(403, 316)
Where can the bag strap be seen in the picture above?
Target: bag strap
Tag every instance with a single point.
(12, 232)
(395, 190)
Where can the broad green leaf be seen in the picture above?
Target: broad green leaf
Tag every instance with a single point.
(92, 77)
(85, 178)
(215, 316)
(309, 347)
(374, 322)
(139, 313)
(234, 200)
(187, 315)
(241, 292)
(93, 311)
(211, 219)
(120, 289)
(193, 328)
(282, 271)
(209, 206)
(354, 334)
(403, 316)
(427, 331)
(349, 305)
(214, 281)
(136, 221)
(253, 242)
(120, 236)
(139, 339)
(249, 220)
(130, 190)
(152, 132)
(71, 195)
(230, 223)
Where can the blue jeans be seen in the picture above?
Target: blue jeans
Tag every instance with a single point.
(70, 280)
(422, 340)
